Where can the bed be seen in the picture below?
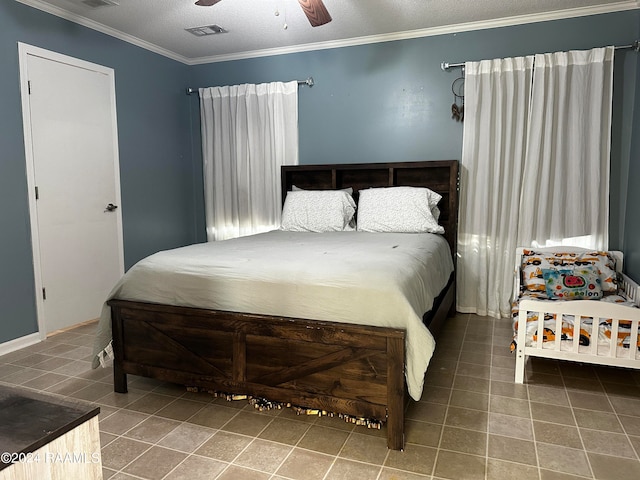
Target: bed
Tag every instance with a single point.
(329, 362)
(600, 327)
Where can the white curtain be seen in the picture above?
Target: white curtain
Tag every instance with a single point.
(535, 166)
(248, 132)
(497, 94)
(565, 195)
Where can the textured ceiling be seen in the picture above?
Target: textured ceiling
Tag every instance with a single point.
(254, 28)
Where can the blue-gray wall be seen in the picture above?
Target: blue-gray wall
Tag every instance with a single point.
(156, 167)
(632, 221)
(391, 101)
(380, 102)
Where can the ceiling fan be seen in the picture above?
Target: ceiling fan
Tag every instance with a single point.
(315, 10)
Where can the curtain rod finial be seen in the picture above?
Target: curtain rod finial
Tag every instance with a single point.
(444, 66)
(308, 82)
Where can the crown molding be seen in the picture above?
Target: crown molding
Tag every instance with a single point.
(428, 32)
(389, 37)
(112, 32)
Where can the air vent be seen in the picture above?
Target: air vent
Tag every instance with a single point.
(206, 30)
(100, 3)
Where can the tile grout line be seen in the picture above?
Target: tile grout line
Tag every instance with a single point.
(152, 444)
(487, 436)
(386, 457)
(575, 420)
(293, 447)
(121, 470)
(446, 412)
(615, 411)
(533, 430)
(148, 416)
(337, 455)
(254, 438)
(183, 422)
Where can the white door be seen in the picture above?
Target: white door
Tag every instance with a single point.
(72, 167)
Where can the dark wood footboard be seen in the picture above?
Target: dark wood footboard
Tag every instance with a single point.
(341, 368)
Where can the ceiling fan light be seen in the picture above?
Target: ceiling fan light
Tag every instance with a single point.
(206, 3)
(100, 3)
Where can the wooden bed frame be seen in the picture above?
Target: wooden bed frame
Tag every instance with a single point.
(334, 367)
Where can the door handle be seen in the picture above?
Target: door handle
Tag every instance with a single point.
(111, 207)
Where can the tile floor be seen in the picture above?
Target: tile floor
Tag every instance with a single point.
(569, 421)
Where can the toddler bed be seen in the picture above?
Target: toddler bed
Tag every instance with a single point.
(574, 304)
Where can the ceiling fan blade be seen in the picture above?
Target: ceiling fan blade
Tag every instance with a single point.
(315, 11)
(207, 3)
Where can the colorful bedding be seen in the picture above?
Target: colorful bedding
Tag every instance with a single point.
(567, 276)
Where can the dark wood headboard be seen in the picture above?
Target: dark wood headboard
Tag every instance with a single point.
(441, 176)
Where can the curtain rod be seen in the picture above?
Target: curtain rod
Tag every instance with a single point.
(635, 45)
(308, 81)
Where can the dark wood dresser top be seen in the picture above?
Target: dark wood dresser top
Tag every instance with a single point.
(29, 420)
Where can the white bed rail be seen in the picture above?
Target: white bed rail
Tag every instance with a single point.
(583, 311)
(630, 289)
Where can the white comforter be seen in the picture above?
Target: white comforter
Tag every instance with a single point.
(383, 279)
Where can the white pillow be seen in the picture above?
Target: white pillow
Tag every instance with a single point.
(318, 211)
(434, 199)
(398, 209)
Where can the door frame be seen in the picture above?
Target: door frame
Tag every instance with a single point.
(24, 50)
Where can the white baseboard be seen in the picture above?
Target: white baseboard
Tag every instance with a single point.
(18, 343)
